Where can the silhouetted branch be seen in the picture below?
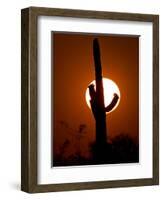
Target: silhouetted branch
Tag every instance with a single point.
(113, 103)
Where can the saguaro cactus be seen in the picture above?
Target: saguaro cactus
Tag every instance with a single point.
(97, 98)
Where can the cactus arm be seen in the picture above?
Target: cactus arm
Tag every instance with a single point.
(92, 94)
(113, 103)
(92, 91)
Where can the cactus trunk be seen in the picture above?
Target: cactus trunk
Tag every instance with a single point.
(97, 98)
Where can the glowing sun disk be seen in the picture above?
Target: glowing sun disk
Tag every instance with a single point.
(110, 88)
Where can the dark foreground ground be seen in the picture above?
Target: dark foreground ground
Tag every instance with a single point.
(122, 149)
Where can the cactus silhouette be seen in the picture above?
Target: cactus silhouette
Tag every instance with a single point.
(97, 98)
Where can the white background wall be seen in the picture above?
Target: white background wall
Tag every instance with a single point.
(10, 98)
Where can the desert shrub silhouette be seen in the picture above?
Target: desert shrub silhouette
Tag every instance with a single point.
(122, 149)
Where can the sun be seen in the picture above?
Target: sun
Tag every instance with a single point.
(110, 87)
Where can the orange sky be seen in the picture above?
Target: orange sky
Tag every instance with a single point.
(73, 70)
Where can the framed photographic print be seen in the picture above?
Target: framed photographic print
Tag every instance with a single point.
(90, 99)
